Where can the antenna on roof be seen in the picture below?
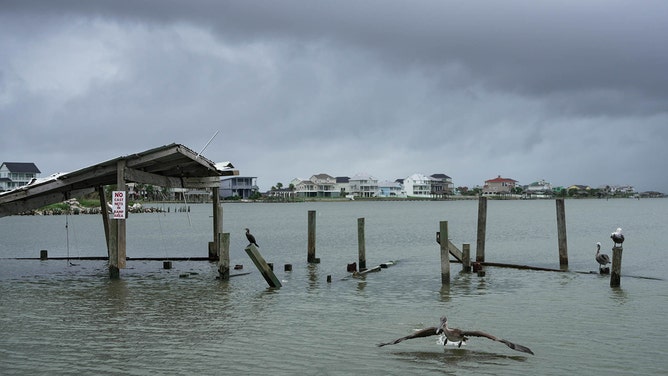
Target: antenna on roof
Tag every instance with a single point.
(207, 144)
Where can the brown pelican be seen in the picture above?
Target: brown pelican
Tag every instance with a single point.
(601, 258)
(617, 237)
(456, 336)
(251, 238)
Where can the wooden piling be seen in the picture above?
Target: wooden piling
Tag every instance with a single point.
(166, 264)
(214, 251)
(262, 266)
(114, 272)
(311, 237)
(445, 254)
(287, 267)
(361, 247)
(616, 272)
(43, 254)
(482, 228)
(561, 234)
(466, 258)
(224, 257)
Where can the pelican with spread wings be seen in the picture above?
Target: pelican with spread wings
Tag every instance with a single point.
(456, 335)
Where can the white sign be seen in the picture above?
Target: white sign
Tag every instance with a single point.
(118, 204)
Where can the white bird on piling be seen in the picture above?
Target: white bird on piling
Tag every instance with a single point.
(251, 238)
(601, 258)
(457, 336)
(617, 237)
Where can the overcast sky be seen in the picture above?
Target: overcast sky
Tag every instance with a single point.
(573, 92)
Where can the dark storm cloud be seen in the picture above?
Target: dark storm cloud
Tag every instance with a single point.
(573, 92)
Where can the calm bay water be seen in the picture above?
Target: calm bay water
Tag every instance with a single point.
(58, 318)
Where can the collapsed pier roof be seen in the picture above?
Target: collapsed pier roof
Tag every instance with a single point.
(171, 166)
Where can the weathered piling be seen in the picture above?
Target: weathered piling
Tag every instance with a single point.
(466, 258)
(287, 267)
(311, 237)
(43, 254)
(561, 233)
(482, 228)
(616, 272)
(361, 247)
(262, 266)
(166, 264)
(445, 254)
(224, 256)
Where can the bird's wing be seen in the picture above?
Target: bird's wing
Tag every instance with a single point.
(426, 332)
(513, 346)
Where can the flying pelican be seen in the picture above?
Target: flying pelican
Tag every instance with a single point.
(251, 238)
(601, 258)
(617, 237)
(456, 335)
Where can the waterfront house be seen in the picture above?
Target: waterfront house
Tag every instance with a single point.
(498, 186)
(441, 185)
(538, 189)
(418, 185)
(238, 186)
(17, 174)
(363, 185)
(390, 189)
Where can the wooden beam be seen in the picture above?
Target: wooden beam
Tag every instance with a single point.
(262, 266)
(140, 176)
(202, 182)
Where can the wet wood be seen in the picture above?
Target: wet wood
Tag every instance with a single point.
(262, 266)
(310, 257)
(445, 253)
(616, 271)
(482, 225)
(561, 233)
(361, 247)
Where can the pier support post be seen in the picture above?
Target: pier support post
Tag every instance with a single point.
(482, 228)
(224, 257)
(214, 252)
(311, 237)
(466, 258)
(43, 254)
(616, 272)
(445, 254)
(361, 246)
(561, 234)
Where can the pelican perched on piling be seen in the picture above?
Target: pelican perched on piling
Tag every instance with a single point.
(601, 258)
(457, 336)
(251, 238)
(617, 237)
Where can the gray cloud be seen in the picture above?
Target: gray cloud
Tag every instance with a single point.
(570, 92)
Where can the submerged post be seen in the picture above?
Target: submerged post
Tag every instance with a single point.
(561, 233)
(616, 272)
(445, 254)
(311, 237)
(361, 244)
(482, 224)
(224, 257)
(466, 257)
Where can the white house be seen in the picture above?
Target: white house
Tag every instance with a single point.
(418, 185)
(363, 185)
(17, 174)
(388, 188)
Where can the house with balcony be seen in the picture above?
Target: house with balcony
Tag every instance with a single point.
(17, 174)
(363, 185)
(498, 186)
(418, 185)
(441, 185)
(238, 186)
(388, 188)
